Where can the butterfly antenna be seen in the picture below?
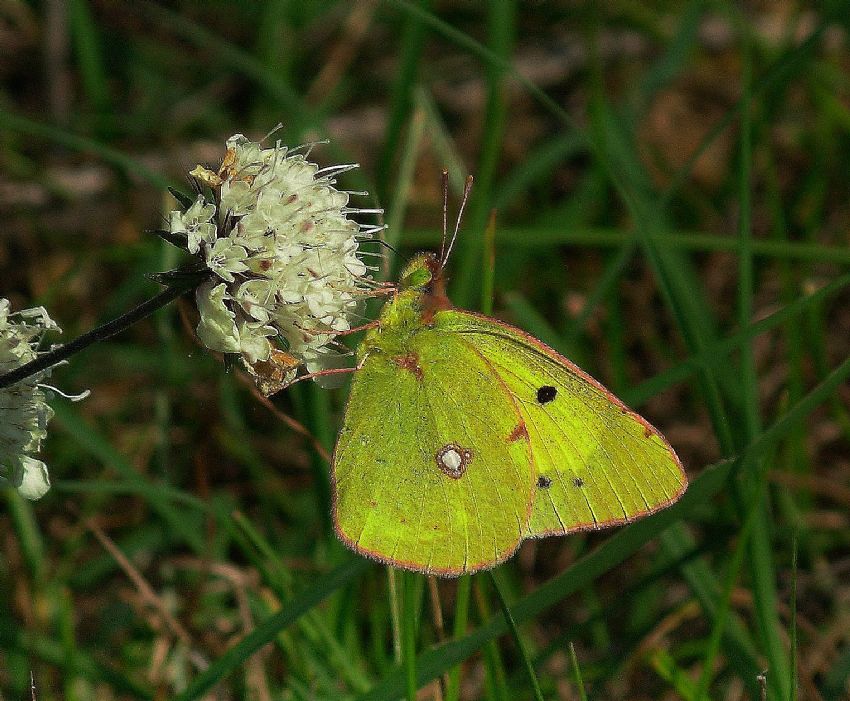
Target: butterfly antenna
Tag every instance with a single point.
(445, 183)
(385, 244)
(466, 190)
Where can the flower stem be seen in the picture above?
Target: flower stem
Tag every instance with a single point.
(101, 333)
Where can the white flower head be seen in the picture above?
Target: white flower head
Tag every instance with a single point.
(284, 251)
(24, 412)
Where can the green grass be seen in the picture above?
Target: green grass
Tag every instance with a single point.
(670, 213)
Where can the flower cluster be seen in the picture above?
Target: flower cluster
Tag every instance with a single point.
(24, 412)
(279, 239)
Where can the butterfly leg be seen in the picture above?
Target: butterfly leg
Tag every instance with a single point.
(329, 371)
(355, 329)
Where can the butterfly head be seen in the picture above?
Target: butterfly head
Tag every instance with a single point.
(421, 273)
(422, 281)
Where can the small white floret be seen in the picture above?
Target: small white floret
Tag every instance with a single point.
(32, 480)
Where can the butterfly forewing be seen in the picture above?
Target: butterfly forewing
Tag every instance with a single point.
(598, 463)
(432, 469)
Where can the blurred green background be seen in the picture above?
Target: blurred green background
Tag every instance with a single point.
(671, 189)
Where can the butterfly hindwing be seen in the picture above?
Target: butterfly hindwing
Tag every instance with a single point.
(432, 470)
(598, 463)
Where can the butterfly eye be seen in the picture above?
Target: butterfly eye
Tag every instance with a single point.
(416, 279)
(546, 394)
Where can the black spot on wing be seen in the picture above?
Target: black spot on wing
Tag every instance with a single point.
(544, 482)
(578, 481)
(546, 394)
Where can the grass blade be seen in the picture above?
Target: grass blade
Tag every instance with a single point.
(401, 101)
(582, 694)
(266, 631)
(408, 631)
(464, 589)
(523, 651)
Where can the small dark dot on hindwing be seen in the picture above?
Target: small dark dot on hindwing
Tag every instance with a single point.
(546, 394)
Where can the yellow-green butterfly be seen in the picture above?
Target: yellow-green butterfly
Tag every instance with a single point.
(464, 435)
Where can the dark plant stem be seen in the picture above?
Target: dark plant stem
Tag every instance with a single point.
(101, 333)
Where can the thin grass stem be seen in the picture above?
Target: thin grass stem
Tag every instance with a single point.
(395, 610)
(793, 681)
(721, 615)
(408, 632)
(461, 616)
(523, 651)
(582, 694)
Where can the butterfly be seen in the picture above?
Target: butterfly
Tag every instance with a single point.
(463, 436)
